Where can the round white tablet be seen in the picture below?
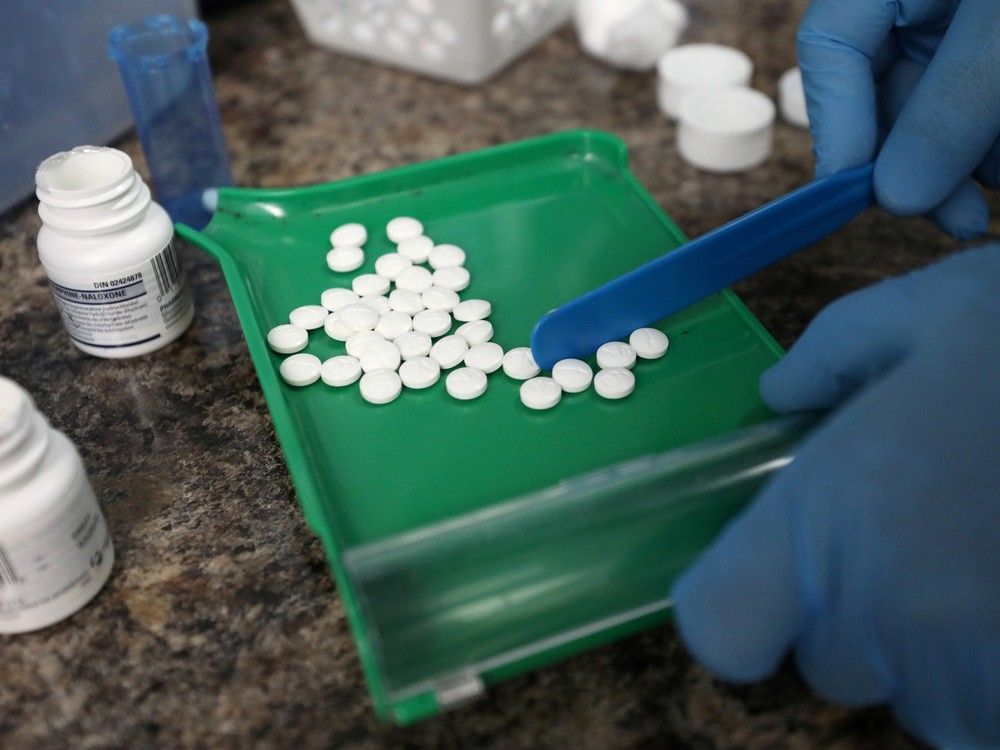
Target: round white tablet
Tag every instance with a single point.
(413, 344)
(340, 371)
(465, 383)
(449, 351)
(336, 328)
(455, 278)
(403, 228)
(476, 331)
(792, 98)
(422, 372)
(345, 259)
(336, 298)
(572, 375)
(370, 283)
(391, 264)
(380, 386)
(519, 364)
(444, 256)
(287, 339)
(377, 302)
(404, 301)
(354, 235)
(417, 249)
(540, 393)
(726, 130)
(438, 298)
(394, 324)
(414, 279)
(472, 309)
(379, 355)
(486, 357)
(309, 317)
(357, 342)
(615, 354)
(358, 316)
(649, 343)
(432, 322)
(693, 67)
(300, 369)
(614, 383)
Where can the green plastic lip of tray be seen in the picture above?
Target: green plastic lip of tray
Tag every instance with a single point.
(471, 541)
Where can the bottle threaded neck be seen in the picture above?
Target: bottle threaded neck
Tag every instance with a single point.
(24, 435)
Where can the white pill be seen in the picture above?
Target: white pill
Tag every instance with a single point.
(472, 309)
(422, 372)
(405, 301)
(394, 324)
(792, 98)
(465, 383)
(300, 369)
(391, 264)
(414, 279)
(413, 344)
(287, 338)
(432, 322)
(357, 342)
(649, 343)
(336, 298)
(377, 302)
(438, 298)
(370, 283)
(380, 355)
(340, 371)
(354, 235)
(572, 375)
(614, 383)
(380, 386)
(309, 317)
(486, 357)
(519, 364)
(336, 328)
(615, 354)
(449, 351)
(445, 256)
(726, 130)
(540, 393)
(358, 317)
(455, 278)
(403, 228)
(417, 249)
(345, 259)
(476, 331)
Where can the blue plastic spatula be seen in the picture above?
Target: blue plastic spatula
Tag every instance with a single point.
(705, 265)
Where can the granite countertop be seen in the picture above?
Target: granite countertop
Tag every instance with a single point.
(220, 625)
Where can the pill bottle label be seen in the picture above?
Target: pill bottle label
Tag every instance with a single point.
(136, 306)
(51, 572)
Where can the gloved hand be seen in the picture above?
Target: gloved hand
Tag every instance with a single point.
(925, 76)
(875, 555)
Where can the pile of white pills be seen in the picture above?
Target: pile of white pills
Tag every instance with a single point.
(396, 326)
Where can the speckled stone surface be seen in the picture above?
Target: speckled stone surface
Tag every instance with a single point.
(220, 625)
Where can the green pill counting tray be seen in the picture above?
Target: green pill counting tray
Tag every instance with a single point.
(471, 541)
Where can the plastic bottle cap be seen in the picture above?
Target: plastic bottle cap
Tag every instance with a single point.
(692, 67)
(726, 130)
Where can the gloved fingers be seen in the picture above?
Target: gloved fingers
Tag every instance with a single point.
(951, 119)
(963, 214)
(988, 171)
(837, 43)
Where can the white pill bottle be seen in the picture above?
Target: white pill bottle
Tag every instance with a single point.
(55, 550)
(108, 250)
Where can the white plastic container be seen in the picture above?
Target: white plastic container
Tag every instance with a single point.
(107, 248)
(459, 40)
(726, 130)
(55, 550)
(695, 67)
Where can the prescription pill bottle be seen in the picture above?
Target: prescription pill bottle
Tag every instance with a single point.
(108, 250)
(55, 550)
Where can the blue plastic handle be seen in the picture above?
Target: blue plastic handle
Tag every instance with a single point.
(702, 266)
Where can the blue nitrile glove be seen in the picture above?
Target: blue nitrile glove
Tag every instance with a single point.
(875, 555)
(923, 74)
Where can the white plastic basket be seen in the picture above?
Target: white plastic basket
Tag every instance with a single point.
(459, 40)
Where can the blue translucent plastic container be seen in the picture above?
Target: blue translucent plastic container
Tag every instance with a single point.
(164, 64)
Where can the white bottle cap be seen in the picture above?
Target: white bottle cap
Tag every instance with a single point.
(726, 130)
(692, 67)
(792, 98)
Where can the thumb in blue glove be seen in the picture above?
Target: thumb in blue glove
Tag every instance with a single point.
(875, 555)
